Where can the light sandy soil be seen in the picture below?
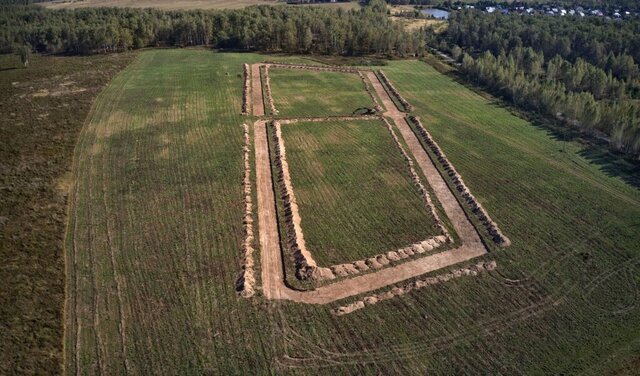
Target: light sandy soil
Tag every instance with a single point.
(257, 101)
(271, 258)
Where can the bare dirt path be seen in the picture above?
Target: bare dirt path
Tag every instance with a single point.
(451, 206)
(256, 91)
(271, 259)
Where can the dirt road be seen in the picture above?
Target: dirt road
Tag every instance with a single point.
(271, 259)
(451, 206)
(257, 101)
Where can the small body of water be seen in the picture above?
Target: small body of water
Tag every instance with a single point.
(436, 13)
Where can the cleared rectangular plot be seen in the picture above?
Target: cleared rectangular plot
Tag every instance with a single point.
(302, 93)
(353, 190)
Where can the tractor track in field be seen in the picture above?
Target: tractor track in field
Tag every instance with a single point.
(273, 277)
(320, 357)
(117, 277)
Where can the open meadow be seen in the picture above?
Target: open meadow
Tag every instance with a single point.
(156, 223)
(354, 190)
(155, 234)
(299, 93)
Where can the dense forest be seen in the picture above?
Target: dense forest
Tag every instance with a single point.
(582, 71)
(264, 28)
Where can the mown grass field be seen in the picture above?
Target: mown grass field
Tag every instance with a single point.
(571, 221)
(154, 244)
(300, 93)
(354, 191)
(154, 238)
(564, 297)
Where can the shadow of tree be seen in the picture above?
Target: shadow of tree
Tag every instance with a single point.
(595, 150)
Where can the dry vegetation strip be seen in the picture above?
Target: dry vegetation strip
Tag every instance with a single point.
(246, 90)
(43, 109)
(267, 89)
(369, 300)
(246, 281)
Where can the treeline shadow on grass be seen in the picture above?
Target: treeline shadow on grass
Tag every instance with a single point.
(594, 149)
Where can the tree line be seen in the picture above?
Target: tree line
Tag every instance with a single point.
(609, 5)
(315, 30)
(584, 73)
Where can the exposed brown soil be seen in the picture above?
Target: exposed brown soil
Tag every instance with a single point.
(272, 268)
(257, 101)
(493, 229)
(245, 284)
(472, 270)
(271, 262)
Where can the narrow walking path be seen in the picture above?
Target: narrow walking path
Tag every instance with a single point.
(273, 284)
(257, 101)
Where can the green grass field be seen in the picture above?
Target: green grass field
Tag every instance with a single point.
(354, 191)
(300, 93)
(154, 236)
(153, 247)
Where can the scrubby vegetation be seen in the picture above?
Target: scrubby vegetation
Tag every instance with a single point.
(43, 109)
